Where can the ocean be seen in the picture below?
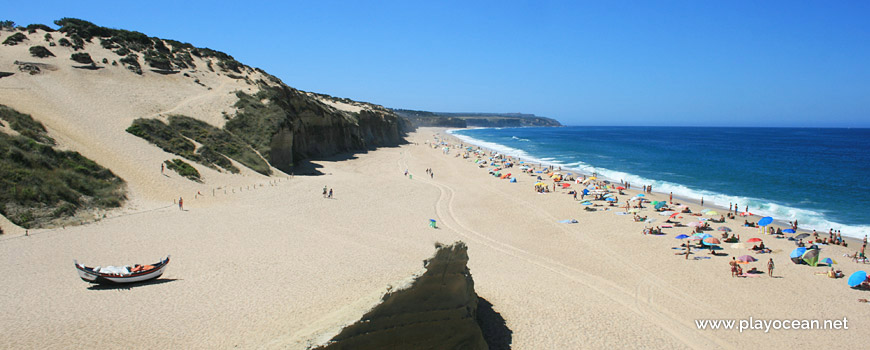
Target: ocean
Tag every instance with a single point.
(821, 177)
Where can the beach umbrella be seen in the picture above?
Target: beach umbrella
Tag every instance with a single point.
(608, 195)
(681, 237)
(696, 224)
(666, 213)
(788, 230)
(828, 261)
(712, 212)
(857, 278)
(674, 214)
(610, 199)
(618, 187)
(747, 259)
(753, 240)
(711, 241)
(540, 184)
(724, 229)
(765, 221)
(640, 195)
(798, 252)
(660, 205)
(802, 236)
(811, 257)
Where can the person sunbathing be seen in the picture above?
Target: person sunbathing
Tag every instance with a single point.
(686, 210)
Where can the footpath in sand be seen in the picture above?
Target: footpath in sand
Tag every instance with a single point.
(279, 266)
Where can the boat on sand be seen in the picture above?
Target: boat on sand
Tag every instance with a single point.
(121, 274)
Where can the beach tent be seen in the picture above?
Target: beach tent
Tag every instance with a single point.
(514, 179)
(811, 257)
(828, 261)
(797, 254)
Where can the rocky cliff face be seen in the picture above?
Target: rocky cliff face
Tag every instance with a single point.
(313, 129)
(437, 311)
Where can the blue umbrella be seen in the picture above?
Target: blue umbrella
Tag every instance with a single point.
(788, 230)
(681, 237)
(610, 199)
(797, 253)
(828, 261)
(765, 221)
(661, 204)
(640, 195)
(857, 278)
(585, 191)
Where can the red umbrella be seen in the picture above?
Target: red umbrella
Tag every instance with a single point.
(674, 214)
(620, 188)
(752, 240)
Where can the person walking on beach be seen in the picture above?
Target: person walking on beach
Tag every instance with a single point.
(671, 199)
(770, 267)
(161, 168)
(733, 264)
(324, 191)
(688, 250)
(180, 203)
(702, 201)
(330, 193)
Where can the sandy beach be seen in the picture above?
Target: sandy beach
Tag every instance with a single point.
(273, 264)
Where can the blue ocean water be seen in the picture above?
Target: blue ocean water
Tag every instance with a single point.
(821, 177)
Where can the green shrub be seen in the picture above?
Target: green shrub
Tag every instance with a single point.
(64, 42)
(47, 37)
(132, 63)
(40, 51)
(82, 57)
(122, 51)
(25, 125)
(157, 60)
(183, 169)
(14, 39)
(31, 28)
(39, 183)
(216, 144)
(77, 42)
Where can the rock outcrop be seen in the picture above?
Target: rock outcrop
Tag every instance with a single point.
(437, 311)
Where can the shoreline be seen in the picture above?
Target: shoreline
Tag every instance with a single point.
(696, 201)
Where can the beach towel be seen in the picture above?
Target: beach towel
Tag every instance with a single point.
(667, 226)
(701, 257)
(621, 213)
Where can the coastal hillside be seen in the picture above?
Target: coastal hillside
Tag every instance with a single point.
(166, 116)
(464, 120)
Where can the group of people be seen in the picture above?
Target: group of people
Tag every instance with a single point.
(328, 194)
(737, 270)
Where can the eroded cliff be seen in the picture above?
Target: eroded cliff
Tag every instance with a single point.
(438, 310)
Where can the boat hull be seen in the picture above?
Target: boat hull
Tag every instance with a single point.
(87, 274)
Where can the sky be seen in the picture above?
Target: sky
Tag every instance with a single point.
(632, 63)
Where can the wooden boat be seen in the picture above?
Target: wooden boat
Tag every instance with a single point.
(121, 274)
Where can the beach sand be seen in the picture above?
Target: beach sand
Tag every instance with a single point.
(279, 266)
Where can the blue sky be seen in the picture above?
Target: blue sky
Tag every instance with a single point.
(729, 63)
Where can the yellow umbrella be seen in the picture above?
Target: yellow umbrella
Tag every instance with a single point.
(540, 184)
